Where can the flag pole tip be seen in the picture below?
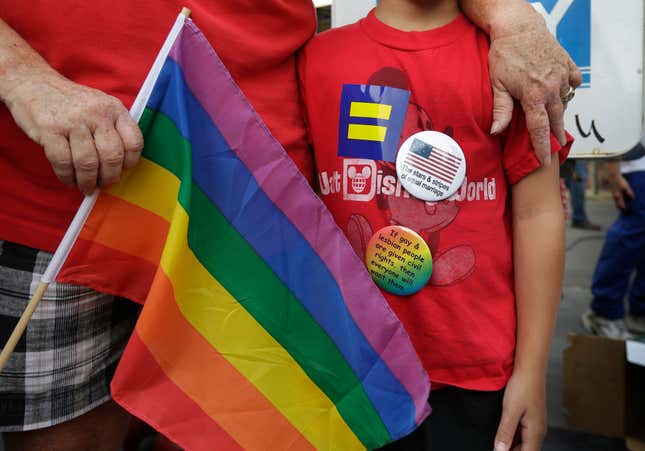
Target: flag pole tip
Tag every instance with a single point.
(186, 12)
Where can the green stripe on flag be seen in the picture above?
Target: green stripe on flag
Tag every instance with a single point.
(245, 275)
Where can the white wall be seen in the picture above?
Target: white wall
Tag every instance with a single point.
(344, 12)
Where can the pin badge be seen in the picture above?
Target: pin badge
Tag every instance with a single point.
(431, 166)
(399, 260)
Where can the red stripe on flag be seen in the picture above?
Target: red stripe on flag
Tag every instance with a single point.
(439, 164)
(108, 270)
(442, 164)
(429, 169)
(450, 158)
(428, 172)
(202, 374)
(142, 388)
(432, 166)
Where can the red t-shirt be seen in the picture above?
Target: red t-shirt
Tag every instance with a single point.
(463, 322)
(110, 45)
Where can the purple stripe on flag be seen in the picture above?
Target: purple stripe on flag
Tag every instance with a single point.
(265, 157)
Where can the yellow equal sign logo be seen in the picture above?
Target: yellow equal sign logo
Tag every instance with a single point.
(369, 111)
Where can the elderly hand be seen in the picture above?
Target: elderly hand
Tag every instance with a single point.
(88, 136)
(527, 63)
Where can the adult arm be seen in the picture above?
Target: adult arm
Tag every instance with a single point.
(87, 136)
(527, 63)
(538, 261)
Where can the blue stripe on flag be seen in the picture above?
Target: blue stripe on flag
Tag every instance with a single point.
(232, 188)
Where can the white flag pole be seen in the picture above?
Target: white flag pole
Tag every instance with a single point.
(65, 246)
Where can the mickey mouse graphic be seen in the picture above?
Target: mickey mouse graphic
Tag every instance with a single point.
(451, 265)
(359, 181)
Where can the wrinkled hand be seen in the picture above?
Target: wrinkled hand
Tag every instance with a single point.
(619, 186)
(527, 63)
(523, 424)
(88, 136)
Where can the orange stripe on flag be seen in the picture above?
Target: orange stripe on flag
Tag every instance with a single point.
(144, 389)
(209, 379)
(130, 229)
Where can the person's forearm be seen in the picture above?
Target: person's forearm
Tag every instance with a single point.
(87, 135)
(17, 61)
(496, 16)
(539, 265)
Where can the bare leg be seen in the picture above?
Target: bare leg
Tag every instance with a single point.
(102, 429)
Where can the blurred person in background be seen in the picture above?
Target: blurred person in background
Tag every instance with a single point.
(620, 270)
(576, 180)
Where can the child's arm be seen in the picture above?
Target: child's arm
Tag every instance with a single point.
(538, 248)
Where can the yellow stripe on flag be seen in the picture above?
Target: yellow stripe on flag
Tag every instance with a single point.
(366, 132)
(370, 110)
(204, 376)
(149, 186)
(287, 386)
(231, 329)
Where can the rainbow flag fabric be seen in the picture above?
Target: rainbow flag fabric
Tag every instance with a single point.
(261, 329)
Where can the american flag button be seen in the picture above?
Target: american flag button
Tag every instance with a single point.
(431, 166)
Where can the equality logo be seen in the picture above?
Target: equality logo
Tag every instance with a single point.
(371, 121)
(570, 22)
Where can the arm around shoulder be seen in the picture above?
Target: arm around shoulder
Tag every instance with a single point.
(526, 63)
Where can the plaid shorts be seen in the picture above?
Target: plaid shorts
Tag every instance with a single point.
(63, 365)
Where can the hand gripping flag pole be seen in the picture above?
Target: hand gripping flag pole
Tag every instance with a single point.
(84, 210)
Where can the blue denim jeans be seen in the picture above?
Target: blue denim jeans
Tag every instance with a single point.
(623, 257)
(577, 191)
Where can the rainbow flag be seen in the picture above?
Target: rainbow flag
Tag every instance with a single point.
(261, 329)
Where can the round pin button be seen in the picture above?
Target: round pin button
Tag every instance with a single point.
(399, 260)
(431, 166)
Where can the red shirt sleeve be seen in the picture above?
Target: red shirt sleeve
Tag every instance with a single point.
(519, 157)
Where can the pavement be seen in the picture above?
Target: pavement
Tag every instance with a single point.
(583, 248)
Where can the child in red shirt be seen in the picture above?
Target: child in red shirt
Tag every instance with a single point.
(482, 325)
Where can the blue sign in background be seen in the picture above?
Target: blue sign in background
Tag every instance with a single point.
(574, 33)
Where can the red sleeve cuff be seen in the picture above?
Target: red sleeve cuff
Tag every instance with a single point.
(521, 168)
